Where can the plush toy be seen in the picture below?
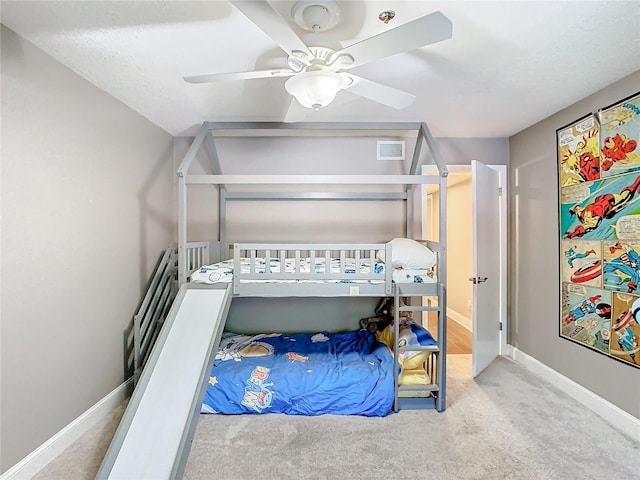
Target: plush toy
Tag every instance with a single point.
(375, 324)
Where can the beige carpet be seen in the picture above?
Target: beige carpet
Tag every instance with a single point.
(506, 424)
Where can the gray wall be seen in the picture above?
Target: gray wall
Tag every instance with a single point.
(534, 258)
(86, 212)
(460, 151)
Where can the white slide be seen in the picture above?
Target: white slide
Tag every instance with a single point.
(154, 435)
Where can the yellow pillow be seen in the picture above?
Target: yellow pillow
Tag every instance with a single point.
(413, 360)
(408, 360)
(386, 336)
(413, 377)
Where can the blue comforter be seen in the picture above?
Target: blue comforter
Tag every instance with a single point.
(346, 373)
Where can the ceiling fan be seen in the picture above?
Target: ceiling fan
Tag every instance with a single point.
(319, 72)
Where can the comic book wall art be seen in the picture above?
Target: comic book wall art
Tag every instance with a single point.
(602, 209)
(579, 152)
(582, 262)
(619, 134)
(599, 228)
(586, 316)
(625, 330)
(621, 266)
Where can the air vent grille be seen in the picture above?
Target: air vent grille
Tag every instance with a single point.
(390, 150)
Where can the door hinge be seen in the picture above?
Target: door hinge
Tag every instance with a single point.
(499, 191)
(500, 326)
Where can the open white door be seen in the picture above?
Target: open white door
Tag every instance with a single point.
(486, 266)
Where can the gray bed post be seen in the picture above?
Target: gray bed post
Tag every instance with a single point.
(222, 197)
(182, 202)
(222, 224)
(442, 297)
(182, 230)
(409, 214)
(410, 190)
(442, 271)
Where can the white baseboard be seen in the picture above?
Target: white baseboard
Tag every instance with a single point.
(33, 463)
(466, 322)
(617, 417)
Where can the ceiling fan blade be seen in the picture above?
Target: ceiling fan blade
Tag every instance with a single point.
(426, 30)
(271, 23)
(377, 92)
(220, 77)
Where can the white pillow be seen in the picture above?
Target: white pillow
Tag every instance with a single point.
(407, 253)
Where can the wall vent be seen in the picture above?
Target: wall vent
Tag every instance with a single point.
(390, 150)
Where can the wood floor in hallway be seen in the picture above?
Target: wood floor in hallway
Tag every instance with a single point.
(458, 337)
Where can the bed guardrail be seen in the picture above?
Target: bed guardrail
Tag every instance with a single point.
(153, 310)
(198, 254)
(156, 303)
(308, 262)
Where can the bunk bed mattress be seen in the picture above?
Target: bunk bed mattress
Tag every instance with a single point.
(222, 272)
(349, 373)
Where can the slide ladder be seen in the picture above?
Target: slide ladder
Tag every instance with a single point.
(154, 436)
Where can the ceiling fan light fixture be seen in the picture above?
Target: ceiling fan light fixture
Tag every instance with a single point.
(316, 88)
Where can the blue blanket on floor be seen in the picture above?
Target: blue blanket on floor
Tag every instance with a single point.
(346, 373)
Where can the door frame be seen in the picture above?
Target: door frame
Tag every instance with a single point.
(504, 185)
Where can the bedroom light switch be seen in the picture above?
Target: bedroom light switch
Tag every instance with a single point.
(353, 291)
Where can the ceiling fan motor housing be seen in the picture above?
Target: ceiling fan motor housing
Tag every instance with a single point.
(321, 57)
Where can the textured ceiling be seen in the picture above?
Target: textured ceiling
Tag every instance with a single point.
(508, 65)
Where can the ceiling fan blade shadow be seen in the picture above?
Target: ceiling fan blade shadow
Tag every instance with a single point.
(423, 31)
(221, 77)
(271, 23)
(377, 92)
(295, 112)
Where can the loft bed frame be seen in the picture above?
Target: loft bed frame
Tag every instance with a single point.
(252, 284)
(189, 254)
(154, 322)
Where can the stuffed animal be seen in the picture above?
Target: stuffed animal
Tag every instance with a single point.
(375, 324)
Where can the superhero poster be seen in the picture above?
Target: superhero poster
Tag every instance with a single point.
(599, 230)
(624, 337)
(579, 152)
(621, 266)
(602, 209)
(586, 316)
(619, 137)
(582, 262)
